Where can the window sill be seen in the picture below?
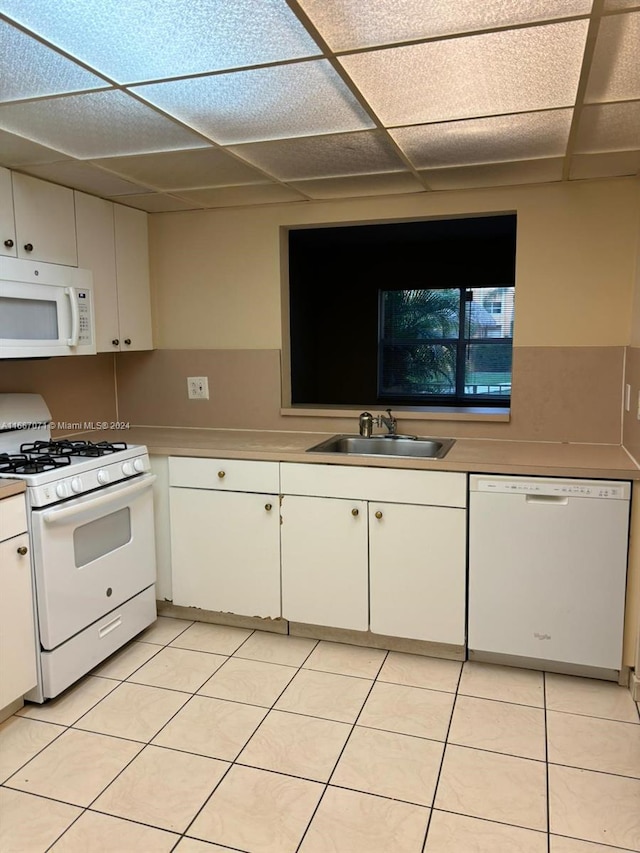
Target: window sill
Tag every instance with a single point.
(422, 413)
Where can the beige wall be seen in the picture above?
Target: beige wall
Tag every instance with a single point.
(217, 283)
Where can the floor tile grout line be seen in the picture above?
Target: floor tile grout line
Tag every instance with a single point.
(444, 752)
(546, 756)
(337, 761)
(133, 671)
(36, 754)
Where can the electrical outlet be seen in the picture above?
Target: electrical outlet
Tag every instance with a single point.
(198, 387)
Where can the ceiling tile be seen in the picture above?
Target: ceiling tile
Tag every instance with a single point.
(608, 127)
(234, 196)
(29, 69)
(156, 202)
(394, 183)
(301, 99)
(612, 5)
(350, 24)
(490, 74)
(486, 140)
(16, 151)
(615, 69)
(180, 170)
(495, 174)
(83, 176)
(150, 39)
(324, 156)
(611, 165)
(101, 124)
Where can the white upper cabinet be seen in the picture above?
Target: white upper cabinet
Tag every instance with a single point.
(113, 244)
(7, 223)
(132, 275)
(45, 221)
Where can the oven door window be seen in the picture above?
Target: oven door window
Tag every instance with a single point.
(102, 536)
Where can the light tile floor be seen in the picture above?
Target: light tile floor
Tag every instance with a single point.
(201, 738)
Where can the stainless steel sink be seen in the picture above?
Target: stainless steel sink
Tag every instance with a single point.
(386, 445)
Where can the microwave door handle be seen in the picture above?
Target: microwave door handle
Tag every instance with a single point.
(75, 317)
(55, 516)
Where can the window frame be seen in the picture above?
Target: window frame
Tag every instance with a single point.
(460, 344)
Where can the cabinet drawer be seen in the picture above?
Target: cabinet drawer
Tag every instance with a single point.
(13, 517)
(434, 488)
(235, 475)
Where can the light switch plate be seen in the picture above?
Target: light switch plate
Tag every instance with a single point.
(198, 387)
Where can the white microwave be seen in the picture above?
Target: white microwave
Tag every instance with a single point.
(45, 310)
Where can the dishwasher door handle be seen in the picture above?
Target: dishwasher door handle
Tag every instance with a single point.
(557, 500)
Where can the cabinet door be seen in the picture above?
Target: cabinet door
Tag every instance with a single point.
(17, 637)
(132, 272)
(45, 220)
(7, 223)
(417, 572)
(225, 551)
(97, 252)
(324, 562)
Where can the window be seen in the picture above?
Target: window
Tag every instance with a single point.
(439, 345)
(416, 313)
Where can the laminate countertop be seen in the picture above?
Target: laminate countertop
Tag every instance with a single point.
(8, 488)
(543, 459)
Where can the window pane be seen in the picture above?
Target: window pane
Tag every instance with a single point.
(489, 312)
(420, 314)
(417, 369)
(488, 370)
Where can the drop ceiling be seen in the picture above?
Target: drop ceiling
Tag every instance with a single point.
(172, 105)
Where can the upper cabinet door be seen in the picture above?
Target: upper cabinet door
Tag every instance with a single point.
(7, 224)
(132, 270)
(45, 221)
(97, 252)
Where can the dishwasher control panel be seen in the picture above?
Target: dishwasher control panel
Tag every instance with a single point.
(558, 488)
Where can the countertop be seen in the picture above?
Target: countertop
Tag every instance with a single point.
(546, 459)
(11, 487)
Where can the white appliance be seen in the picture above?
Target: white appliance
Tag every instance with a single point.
(90, 519)
(547, 572)
(45, 310)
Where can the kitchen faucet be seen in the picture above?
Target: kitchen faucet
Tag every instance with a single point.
(367, 421)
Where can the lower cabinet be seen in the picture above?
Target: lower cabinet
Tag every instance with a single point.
(324, 562)
(17, 636)
(225, 544)
(375, 560)
(417, 574)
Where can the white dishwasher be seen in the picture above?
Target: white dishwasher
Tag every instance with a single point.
(547, 572)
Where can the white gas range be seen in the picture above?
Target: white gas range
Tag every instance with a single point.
(90, 519)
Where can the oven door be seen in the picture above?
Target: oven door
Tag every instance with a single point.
(91, 554)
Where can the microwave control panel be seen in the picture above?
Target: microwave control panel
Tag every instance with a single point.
(84, 316)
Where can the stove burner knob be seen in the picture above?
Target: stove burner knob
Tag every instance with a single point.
(138, 464)
(61, 490)
(76, 485)
(103, 477)
(127, 469)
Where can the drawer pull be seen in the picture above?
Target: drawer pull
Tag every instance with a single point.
(355, 512)
(378, 514)
(221, 475)
(268, 507)
(22, 550)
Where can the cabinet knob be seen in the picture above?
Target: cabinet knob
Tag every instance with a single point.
(8, 244)
(355, 512)
(127, 341)
(221, 475)
(115, 342)
(378, 514)
(268, 507)
(22, 550)
(28, 247)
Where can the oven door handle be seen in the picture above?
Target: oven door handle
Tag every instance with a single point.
(65, 513)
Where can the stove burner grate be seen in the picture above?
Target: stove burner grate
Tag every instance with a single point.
(31, 463)
(65, 448)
